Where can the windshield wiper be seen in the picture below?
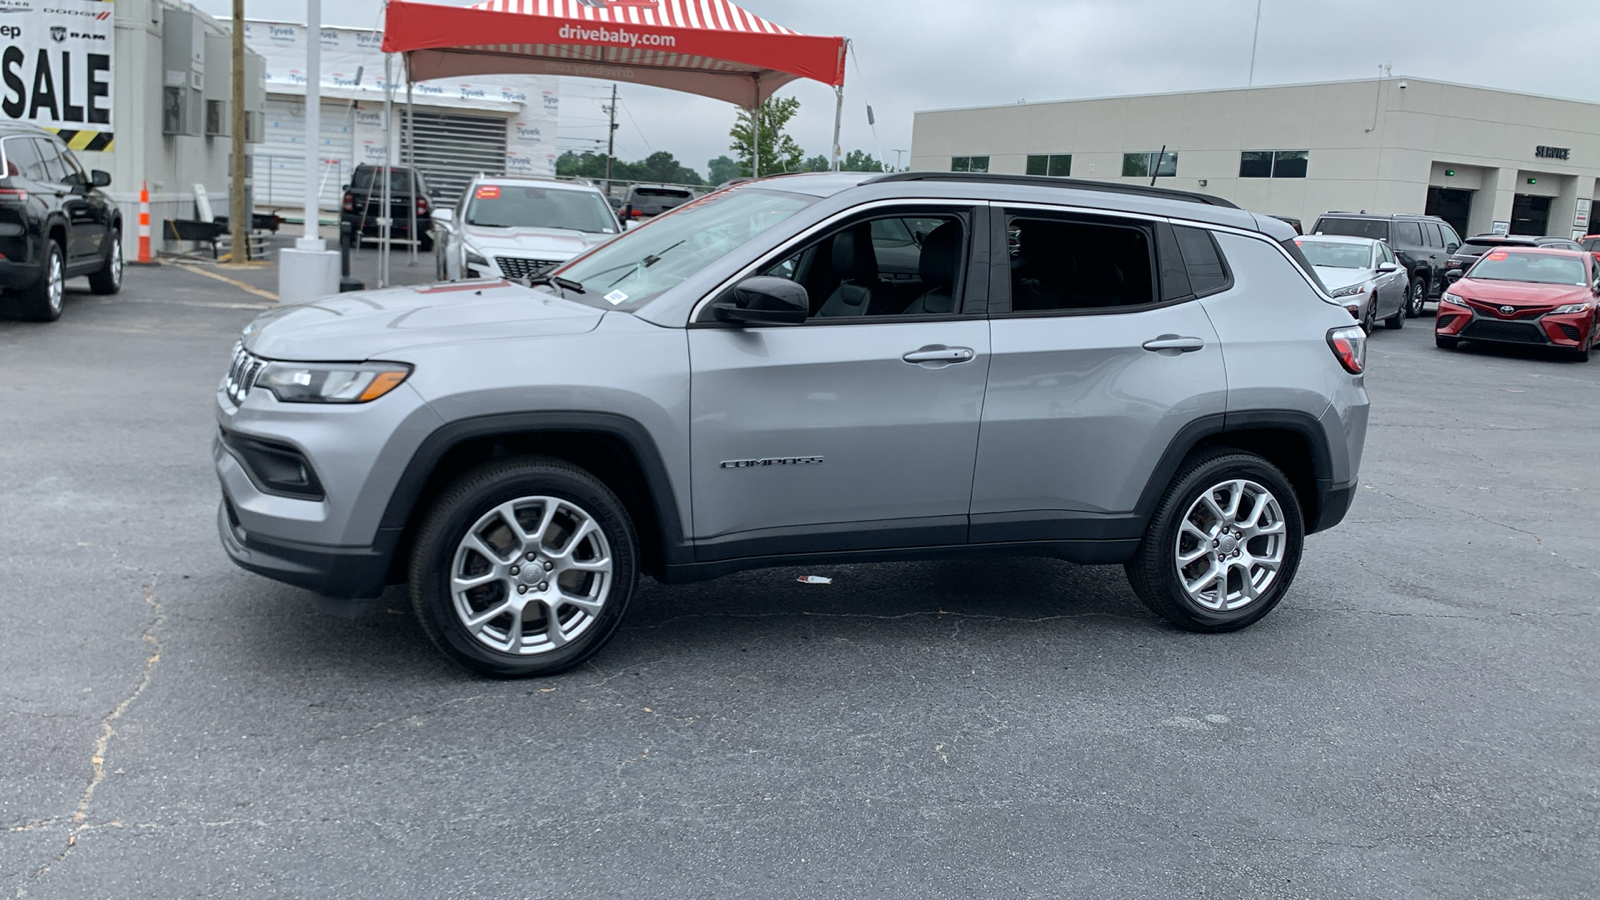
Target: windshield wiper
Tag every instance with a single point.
(563, 284)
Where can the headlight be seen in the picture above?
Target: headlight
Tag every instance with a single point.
(331, 382)
(1454, 298)
(474, 258)
(1352, 289)
(1572, 308)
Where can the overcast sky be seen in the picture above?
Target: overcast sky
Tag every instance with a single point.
(938, 54)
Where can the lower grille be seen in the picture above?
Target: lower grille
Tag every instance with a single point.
(1570, 332)
(520, 267)
(1506, 332)
(1447, 321)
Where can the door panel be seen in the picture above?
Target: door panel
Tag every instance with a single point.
(1079, 413)
(799, 428)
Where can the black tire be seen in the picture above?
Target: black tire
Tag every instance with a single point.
(1416, 298)
(1369, 322)
(109, 279)
(1446, 343)
(1581, 355)
(38, 302)
(425, 244)
(472, 499)
(1154, 572)
(1398, 320)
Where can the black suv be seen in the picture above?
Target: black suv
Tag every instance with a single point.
(363, 204)
(1479, 244)
(54, 223)
(1423, 245)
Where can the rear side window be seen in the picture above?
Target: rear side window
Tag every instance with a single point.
(1377, 229)
(1080, 265)
(1408, 234)
(1208, 273)
(22, 159)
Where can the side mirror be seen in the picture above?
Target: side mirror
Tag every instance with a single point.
(98, 178)
(764, 300)
(444, 214)
(1454, 275)
(1451, 248)
(1386, 268)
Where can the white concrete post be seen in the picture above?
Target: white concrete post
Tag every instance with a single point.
(310, 271)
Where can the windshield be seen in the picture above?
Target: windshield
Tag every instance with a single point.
(528, 206)
(365, 176)
(1337, 256)
(1537, 268)
(1377, 229)
(627, 272)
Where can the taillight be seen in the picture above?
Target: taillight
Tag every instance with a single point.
(422, 206)
(349, 202)
(17, 194)
(1350, 347)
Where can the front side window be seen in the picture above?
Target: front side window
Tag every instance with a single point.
(639, 264)
(1079, 265)
(1053, 164)
(1143, 165)
(900, 265)
(526, 206)
(969, 163)
(1430, 233)
(54, 169)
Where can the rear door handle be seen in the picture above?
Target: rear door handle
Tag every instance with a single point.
(1174, 342)
(938, 353)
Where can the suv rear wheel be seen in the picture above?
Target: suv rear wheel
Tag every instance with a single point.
(42, 302)
(1223, 546)
(524, 567)
(1417, 298)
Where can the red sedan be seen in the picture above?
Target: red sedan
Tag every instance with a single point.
(1545, 298)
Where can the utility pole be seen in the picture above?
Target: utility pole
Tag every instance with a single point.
(611, 137)
(239, 218)
(897, 155)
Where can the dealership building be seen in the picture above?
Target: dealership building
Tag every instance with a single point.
(1485, 160)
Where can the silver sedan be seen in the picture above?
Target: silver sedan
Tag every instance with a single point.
(1361, 273)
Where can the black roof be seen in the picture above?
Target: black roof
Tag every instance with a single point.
(1343, 214)
(1077, 184)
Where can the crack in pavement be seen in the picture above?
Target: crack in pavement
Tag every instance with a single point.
(108, 729)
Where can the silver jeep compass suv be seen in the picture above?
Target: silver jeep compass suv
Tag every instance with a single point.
(810, 368)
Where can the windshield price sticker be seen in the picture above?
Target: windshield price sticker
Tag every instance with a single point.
(1498, 255)
(616, 297)
(488, 192)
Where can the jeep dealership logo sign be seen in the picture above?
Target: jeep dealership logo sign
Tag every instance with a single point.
(56, 68)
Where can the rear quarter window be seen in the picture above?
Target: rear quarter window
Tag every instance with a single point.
(1208, 271)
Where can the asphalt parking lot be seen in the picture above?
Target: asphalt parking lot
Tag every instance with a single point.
(1418, 719)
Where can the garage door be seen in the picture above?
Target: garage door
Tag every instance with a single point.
(452, 148)
(280, 160)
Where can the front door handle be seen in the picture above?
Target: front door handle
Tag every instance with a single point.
(938, 353)
(1174, 342)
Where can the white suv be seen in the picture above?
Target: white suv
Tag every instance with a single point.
(519, 227)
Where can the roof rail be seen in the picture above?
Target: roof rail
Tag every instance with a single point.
(1079, 184)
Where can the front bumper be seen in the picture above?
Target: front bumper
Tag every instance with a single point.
(331, 571)
(1570, 330)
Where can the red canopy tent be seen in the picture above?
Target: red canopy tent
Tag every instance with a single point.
(706, 47)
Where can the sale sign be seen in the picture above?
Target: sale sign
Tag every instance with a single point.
(56, 67)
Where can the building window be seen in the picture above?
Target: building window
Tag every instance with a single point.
(1143, 165)
(1057, 164)
(1273, 163)
(969, 163)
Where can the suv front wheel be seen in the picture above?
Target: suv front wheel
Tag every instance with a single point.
(1223, 546)
(524, 567)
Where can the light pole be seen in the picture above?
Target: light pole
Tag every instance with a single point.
(310, 271)
(239, 218)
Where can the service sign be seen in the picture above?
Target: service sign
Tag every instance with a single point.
(55, 70)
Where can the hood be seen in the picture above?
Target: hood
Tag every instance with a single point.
(1341, 278)
(535, 243)
(365, 325)
(1521, 293)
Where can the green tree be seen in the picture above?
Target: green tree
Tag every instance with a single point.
(721, 169)
(779, 152)
(860, 161)
(658, 166)
(818, 163)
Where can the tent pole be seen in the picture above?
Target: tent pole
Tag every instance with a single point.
(838, 117)
(755, 130)
(409, 141)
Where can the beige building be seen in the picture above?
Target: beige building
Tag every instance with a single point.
(1483, 159)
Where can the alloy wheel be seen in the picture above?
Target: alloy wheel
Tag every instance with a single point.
(1230, 545)
(56, 288)
(116, 260)
(1417, 299)
(531, 575)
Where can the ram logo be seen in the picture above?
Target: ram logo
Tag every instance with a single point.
(775, 461)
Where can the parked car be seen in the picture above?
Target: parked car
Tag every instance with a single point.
(1361, 273)
(55, 223)
(510, 227)
(1159, 382)
(1591, 243)
(1535, 296)
(647, 200)
(1479, 244)
(1421, 244)
(362, 205)
(1292, 222)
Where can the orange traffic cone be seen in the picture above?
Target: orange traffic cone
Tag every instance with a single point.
(144, 223)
